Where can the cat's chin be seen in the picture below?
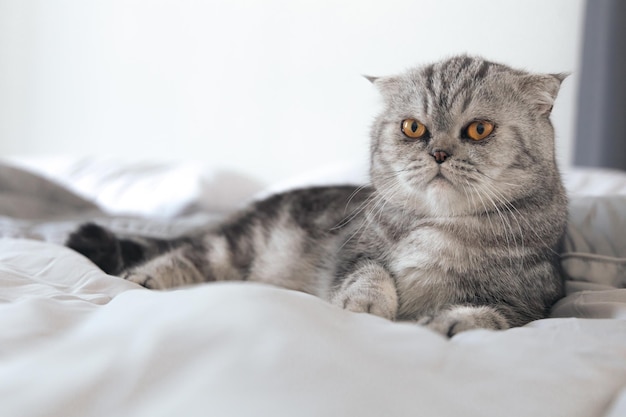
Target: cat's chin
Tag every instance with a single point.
(439, 197)
(443, 199)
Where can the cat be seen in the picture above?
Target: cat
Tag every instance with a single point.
(460, 227)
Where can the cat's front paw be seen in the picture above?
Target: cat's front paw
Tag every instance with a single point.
(368, 290)
(461, 318)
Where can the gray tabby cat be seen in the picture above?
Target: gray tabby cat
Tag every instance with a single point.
(459, 229)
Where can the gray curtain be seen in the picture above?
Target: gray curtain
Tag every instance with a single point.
(601, 121)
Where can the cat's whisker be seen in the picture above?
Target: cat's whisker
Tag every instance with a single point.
(355, 214)
(385, 180)
(505, 204)
(507, 229)
(486, 210)
(488, 213)
(354, 193)
(468, 195)
(494, 231)
(374, 200)
(378, 207)
(385, 197)
(521, 217)
(369, 200)
(498, 181)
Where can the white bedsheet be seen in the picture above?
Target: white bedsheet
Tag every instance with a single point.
(77, 342)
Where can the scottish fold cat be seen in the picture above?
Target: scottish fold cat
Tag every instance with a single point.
(459, 228)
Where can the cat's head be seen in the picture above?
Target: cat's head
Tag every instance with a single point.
(463, 135)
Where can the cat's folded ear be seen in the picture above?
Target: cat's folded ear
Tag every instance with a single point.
(543, 89)
(388, 86)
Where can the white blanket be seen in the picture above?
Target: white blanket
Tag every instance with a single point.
(77, 342)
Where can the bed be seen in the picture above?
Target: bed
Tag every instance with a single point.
(77, 342)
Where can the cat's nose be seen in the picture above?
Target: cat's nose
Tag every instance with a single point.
(440, 156)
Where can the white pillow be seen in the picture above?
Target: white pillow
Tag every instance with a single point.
(147, 189)
(594, 182)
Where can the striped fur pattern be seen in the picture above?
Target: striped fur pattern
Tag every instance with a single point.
(456, 243)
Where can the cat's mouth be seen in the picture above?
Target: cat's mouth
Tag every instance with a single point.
(440, 178)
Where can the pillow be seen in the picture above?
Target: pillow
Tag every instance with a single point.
(595, 245)
(146, 189)
(594, 182)
(24, 195)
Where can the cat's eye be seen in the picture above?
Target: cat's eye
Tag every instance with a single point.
(479, 129)
(413, 129)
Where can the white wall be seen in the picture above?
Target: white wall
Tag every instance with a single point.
(271, 88)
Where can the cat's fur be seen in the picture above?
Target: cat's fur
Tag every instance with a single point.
(452, 233)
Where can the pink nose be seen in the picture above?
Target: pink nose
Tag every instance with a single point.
(440, 156)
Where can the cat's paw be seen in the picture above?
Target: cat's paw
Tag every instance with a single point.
(99, 245)
(171, 269)
(461, 318)
(369, 290)
(149, 281)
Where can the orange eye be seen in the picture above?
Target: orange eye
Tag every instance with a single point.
(479, 129)
(413, 129)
